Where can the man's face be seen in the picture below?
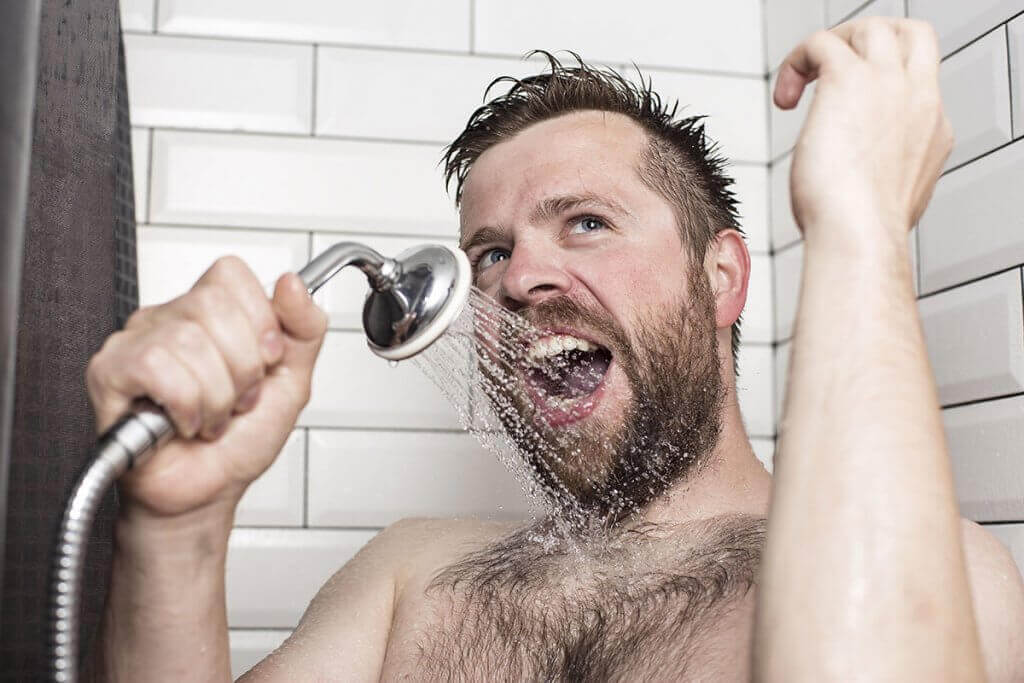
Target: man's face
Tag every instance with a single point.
(562, 229)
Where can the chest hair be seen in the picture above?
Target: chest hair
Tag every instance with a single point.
(631, 605)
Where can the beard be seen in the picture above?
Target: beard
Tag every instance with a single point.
(601, 471)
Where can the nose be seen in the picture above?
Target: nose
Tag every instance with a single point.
(535, 272)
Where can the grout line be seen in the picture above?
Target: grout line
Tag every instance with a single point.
(1009, 74)
(978, 157)
(975, 39)
(1022, 287)
(696, 71)
(969, 281)
(1003, 522)
(387, 429)
(861, 8)
(156, 15)
(319, 527)
(300, 136)
(472, 26)
(312, 110)
(299, 231)
(305, 478)
(149, 175)
(985, 399)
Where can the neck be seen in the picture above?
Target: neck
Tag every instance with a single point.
(731, 480)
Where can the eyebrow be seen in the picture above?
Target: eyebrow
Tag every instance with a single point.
(547, 209)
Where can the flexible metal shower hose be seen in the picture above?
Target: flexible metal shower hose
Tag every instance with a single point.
(129, 442)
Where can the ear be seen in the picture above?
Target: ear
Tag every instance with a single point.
(728, 269)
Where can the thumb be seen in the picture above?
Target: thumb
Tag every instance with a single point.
(301, 319)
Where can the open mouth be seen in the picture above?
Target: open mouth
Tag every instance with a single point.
(565, 374)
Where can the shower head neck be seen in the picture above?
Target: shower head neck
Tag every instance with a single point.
(414, 296)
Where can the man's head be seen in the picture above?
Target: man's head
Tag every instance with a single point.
(587, 209)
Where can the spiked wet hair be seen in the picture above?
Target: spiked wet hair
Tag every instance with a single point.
(680, 163)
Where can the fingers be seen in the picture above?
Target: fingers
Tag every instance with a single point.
(885, 42)
(820, 53)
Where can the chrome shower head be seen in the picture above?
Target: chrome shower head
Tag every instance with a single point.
(414, 296)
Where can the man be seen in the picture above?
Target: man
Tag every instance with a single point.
(608, 224)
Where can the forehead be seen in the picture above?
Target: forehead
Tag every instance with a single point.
(583, 152)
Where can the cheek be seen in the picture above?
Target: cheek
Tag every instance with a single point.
(632, 286)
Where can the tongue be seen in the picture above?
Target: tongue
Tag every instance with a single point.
(574, 374)
(584, 376)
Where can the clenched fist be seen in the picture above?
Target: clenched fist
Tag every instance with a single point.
(232, 369)
(875, 137)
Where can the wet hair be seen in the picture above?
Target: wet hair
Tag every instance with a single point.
(680, 162)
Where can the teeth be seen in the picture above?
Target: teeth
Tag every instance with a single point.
(555, 344)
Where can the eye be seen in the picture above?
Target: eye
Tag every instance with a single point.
(585, 224)
(492, 256)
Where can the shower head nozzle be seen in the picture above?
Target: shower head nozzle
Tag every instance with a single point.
(414, 297)
(430, 289)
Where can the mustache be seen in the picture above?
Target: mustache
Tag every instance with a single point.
(563, 311)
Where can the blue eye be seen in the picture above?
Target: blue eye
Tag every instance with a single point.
(586, 224)
(492, 256)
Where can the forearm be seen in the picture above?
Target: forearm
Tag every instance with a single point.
(165, 616)
(864, 567)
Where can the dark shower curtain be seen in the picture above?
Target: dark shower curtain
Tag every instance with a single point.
(77, 285)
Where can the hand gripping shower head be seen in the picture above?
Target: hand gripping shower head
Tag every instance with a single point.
(414, 298)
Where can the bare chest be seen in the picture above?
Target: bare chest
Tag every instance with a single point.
(668, 610)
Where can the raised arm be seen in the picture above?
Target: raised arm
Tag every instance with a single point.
(864, 575)
(232, 369)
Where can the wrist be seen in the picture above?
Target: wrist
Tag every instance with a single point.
(200, 534)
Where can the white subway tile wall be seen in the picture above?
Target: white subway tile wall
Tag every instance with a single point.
(967, 250)
(958, 23)
(976, 94)
(720, 37)
(975, 336)
(1015, 36)
(224, 85)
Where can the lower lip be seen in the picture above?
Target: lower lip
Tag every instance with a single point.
(580, 408)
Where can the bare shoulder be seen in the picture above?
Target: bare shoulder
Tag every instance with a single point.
(998, 593)
(418, 547)
(347, 625)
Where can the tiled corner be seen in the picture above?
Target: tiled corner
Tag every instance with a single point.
(789, 266)
(374, 478)
(277, 497)
(972, 226)
(975, 337)
(782, 354)
(354, 388)
(881, 8)
(984, 447)
(976, 97)
(754, 388)
(171, 259)
(784, 230)
(285, 568)
(299, 183)
(758, 315)
(399, 23)
(219, 84)
(751, 188)
(787, 124)
(704, 36)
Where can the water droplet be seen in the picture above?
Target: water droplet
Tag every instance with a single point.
(392, 363)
